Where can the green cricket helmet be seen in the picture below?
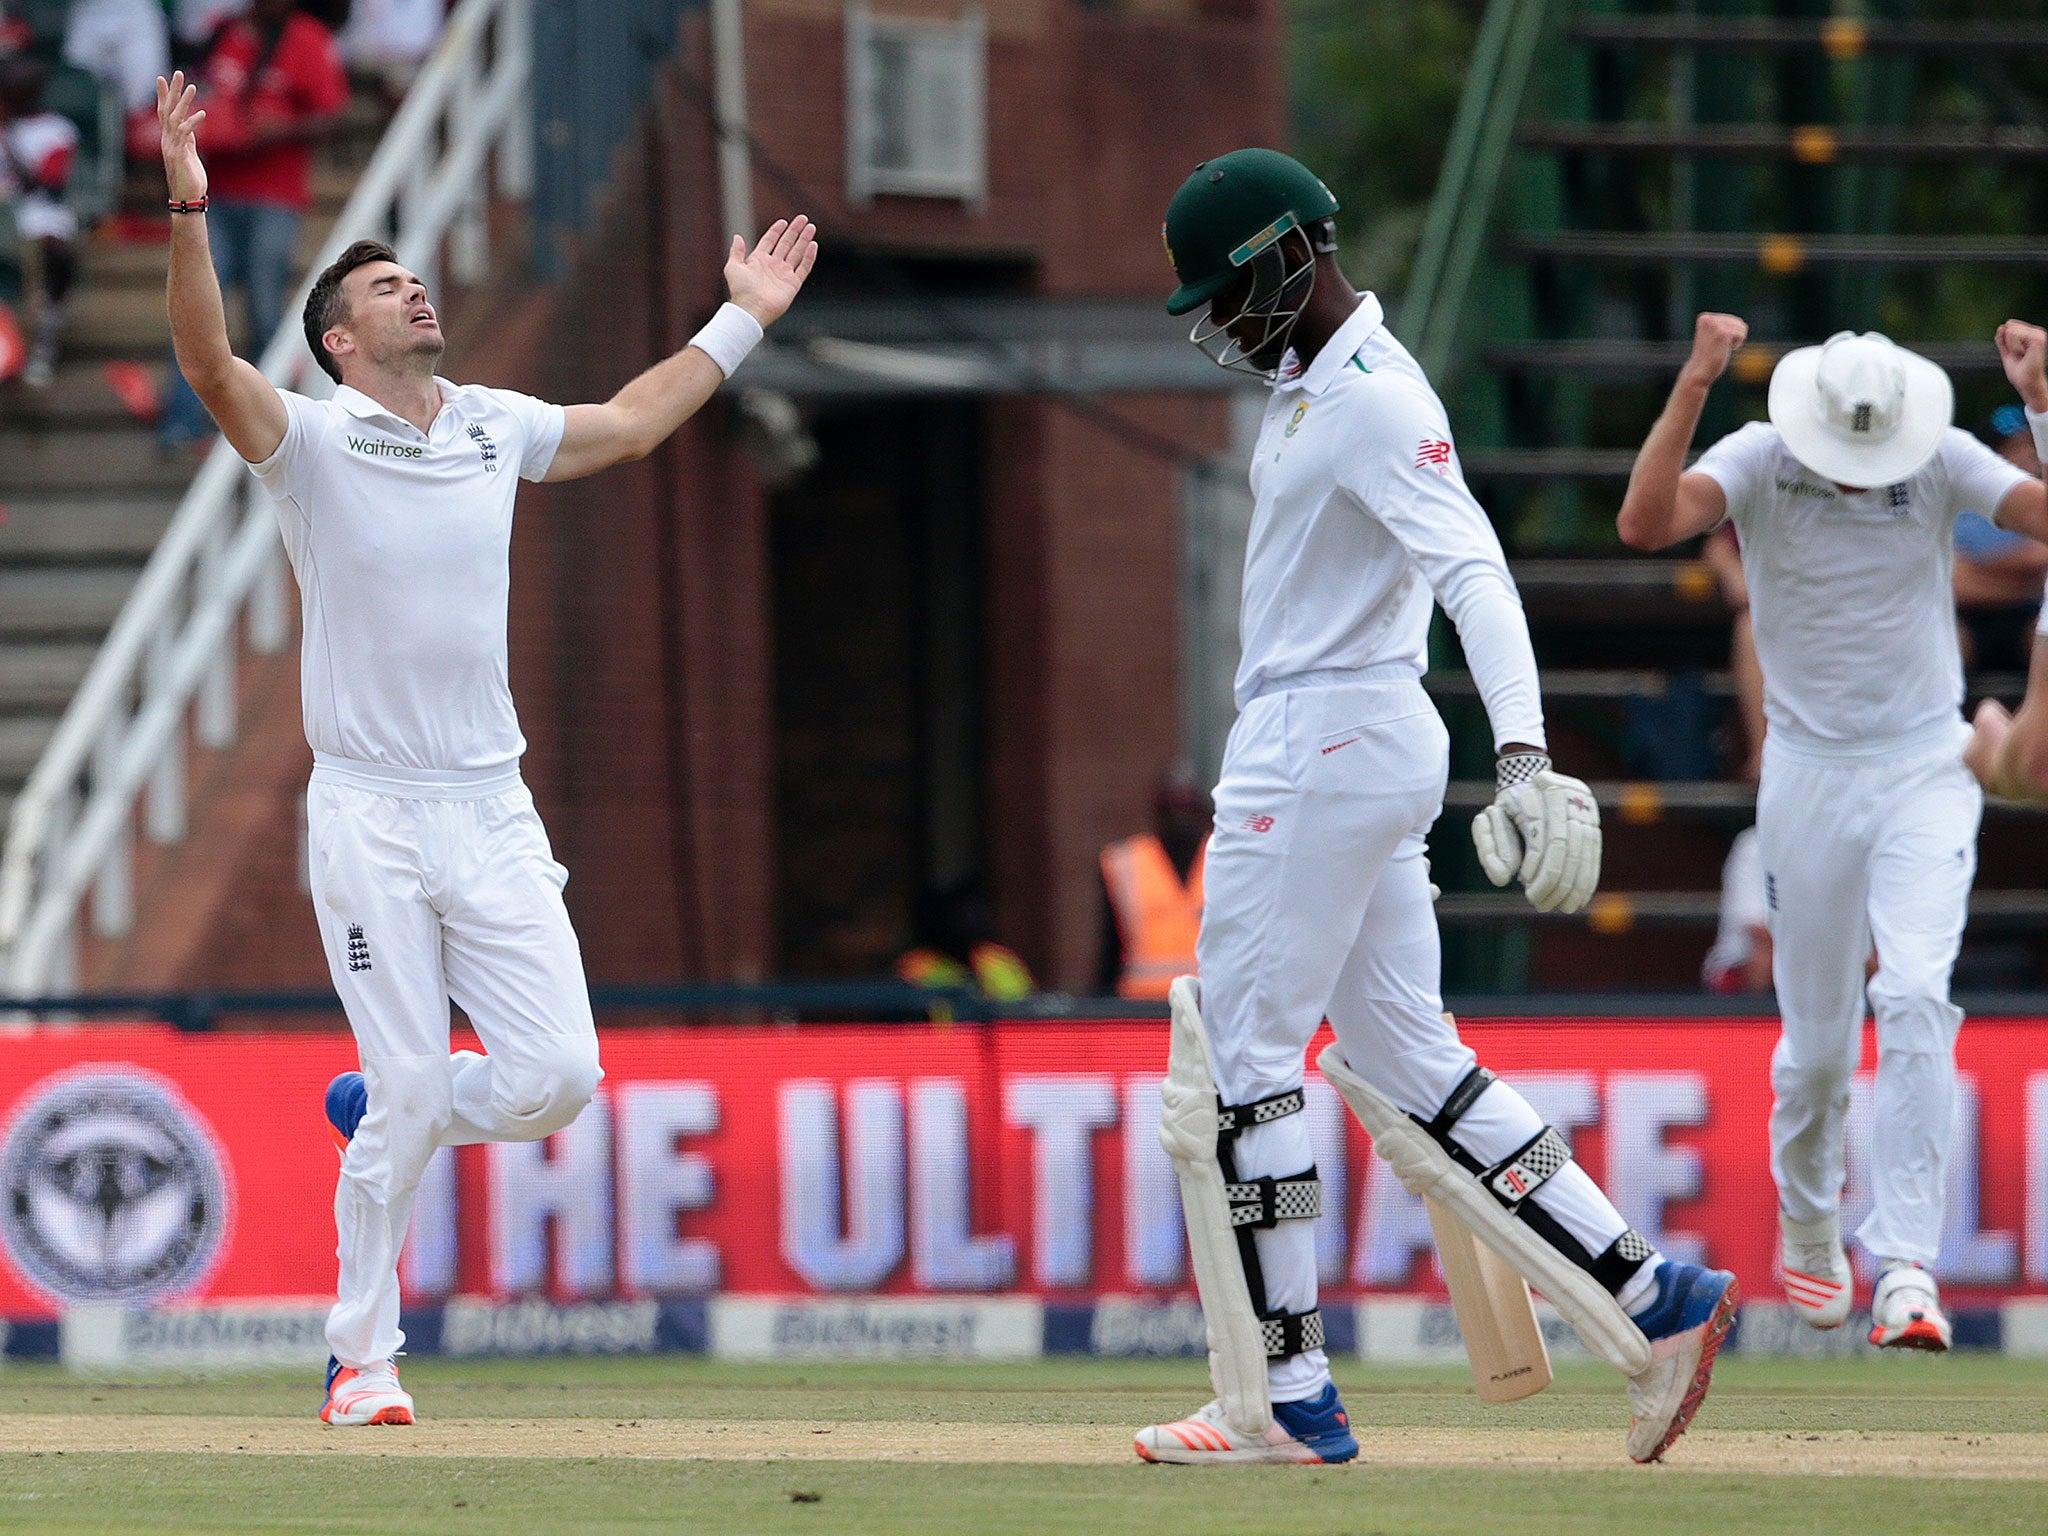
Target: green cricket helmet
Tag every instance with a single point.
(1229, 217)
(1229, 210)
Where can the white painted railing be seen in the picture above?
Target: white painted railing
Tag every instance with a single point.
(169, 664)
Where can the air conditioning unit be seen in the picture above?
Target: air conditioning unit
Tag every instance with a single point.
(916, 106)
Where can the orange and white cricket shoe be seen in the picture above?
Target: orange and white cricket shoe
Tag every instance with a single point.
(1814, 1270)
(371, 1395)
(1905, 1310)
(1313, 1432)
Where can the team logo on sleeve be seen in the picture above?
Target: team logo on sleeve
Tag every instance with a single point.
(485, 446)
(1435, 453)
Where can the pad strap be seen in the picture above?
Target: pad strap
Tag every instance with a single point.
(1233, 1119)
(1624, 1256)
(1263, 1202)
(1462, 1098)
(1257, 1204)
(1292, 1333)
(1514, 1179)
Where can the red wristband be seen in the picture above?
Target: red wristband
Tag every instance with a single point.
(197, 205)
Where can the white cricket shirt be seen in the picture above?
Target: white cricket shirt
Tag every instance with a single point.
(1360, 514)
(1850, 594)
(401, 542)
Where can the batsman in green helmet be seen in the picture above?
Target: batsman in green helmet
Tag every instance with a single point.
(1248, 227)
(1317, 899)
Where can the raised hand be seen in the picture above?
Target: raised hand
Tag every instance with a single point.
(177, 119)
(2023, 348)
(1715, 339)
(765, 282)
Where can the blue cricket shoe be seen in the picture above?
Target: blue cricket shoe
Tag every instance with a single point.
(1313, 1432)
(1685, 1322)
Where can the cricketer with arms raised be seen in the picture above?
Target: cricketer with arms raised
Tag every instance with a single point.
(1318, 900)
(432, 875)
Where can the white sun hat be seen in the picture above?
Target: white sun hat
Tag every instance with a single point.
(1861, 410)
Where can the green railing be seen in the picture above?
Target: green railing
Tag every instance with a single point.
(1462, 206)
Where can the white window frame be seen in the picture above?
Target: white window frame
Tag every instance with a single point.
(865, 180)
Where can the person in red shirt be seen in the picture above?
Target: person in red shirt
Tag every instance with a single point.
(273, 87)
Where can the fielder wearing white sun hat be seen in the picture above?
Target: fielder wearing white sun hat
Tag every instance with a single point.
(1860, 409)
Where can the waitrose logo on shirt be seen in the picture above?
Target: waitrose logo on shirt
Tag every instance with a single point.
(377, 448)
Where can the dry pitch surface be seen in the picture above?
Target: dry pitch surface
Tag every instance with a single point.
(1902, 1446)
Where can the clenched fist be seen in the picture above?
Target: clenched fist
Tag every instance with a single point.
(2023, 348)
(1715, 339)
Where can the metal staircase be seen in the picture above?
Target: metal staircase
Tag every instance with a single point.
(1614, 169)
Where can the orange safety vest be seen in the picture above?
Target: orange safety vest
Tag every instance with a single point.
(1158, 917)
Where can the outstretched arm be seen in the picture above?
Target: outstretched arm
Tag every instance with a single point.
(1663, 503)
(640, 417)
(246, 404)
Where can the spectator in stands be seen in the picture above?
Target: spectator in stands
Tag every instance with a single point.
(193, 22)
(1152, 895)
(272, 86)
(36, 150)
(390, 39)
(125, 44)
(955, 948)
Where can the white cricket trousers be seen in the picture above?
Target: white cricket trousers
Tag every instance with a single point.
(431, 886)
(1317, 905)
(1859, 849)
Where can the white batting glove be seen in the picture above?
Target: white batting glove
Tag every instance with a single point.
(1543, 827)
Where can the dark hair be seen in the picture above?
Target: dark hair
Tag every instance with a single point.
(325, 308)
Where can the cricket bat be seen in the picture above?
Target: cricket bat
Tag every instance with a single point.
(1495, 1313)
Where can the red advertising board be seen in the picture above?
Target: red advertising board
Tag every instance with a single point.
(137, 1163)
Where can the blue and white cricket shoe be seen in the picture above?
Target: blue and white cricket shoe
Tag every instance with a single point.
(1313, 1432)
(348, 1100)
(1685, 1323)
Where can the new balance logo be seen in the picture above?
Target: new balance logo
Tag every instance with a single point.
(1258, 823)
(377, 448)
(358, 948)
(1434, 454)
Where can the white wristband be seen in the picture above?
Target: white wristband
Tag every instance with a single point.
(2040, 425)
(729, 336)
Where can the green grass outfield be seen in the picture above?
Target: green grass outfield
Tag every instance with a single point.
(533, 1448)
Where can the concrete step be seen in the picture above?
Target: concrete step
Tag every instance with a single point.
(95, 530)
(41, 676)
(34, 459)
(124, 322)
(79, 397)
(22, 740)
(114, 267)
(77, 602)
